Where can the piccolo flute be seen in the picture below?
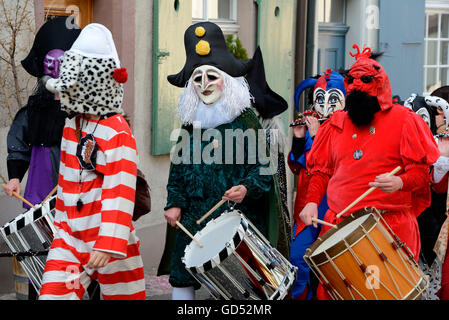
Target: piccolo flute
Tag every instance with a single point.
(442, 135)
(303, 123)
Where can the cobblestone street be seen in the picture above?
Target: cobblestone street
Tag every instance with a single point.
(157, 288)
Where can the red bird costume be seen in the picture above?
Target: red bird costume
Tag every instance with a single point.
(345, 158)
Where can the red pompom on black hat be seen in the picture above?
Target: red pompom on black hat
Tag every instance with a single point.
(121, 75)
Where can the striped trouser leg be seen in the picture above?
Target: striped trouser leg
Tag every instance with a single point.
(123, 279)
(64, 277)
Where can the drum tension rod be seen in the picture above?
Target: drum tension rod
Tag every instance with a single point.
(398, 244)
(347, 283)
(363, 267)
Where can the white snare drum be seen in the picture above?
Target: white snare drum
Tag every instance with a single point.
(238, 262)
(28, 236)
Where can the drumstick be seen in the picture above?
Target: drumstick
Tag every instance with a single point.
(392, 173)
(18, 196)
(324, 222)
(218, 205)
(50, 194)
(188, 233)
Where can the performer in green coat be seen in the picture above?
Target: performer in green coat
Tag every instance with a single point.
(221, 153)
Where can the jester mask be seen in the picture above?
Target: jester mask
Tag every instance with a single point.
(328, 95)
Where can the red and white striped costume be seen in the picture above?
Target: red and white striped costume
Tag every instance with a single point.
(104, 223)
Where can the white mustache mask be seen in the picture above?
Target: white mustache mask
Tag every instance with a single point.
(208, 82)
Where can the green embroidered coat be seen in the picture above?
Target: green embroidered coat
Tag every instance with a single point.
(196, 186)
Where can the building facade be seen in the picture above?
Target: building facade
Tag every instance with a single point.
(298, 38)
(149, 36)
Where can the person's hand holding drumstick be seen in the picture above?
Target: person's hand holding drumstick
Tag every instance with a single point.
(387, 183)
(12, 186)
(236, 194)
(172, 216)
(309, 214)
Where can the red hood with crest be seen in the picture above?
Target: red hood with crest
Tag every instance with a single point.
(369, 76)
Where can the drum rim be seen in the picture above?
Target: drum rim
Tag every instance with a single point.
(418, 291)
(28, 216)
(340, 247)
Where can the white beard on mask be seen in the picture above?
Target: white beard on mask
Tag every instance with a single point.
(235, 99)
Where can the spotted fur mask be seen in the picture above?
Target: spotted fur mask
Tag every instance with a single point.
(87, 85)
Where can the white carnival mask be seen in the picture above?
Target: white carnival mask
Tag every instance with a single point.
(327, 102)
(208, 82)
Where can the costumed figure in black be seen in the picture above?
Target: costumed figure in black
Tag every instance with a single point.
(268, 106)
(206, 166)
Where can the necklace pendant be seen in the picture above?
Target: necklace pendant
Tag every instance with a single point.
(79, 205)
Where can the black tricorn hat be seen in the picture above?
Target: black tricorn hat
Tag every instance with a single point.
(267, 102)
(205, 45)
(54, 34)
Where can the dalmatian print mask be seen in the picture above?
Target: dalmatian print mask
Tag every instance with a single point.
(87, 85)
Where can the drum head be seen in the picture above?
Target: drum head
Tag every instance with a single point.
(340, 234)
(350, 230)
(214, 238)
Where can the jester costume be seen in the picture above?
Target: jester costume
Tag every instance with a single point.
(328, 96)
(373, 136)
(195, 184)
(97, 178)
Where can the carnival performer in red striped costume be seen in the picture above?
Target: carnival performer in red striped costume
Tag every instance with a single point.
(97, 180)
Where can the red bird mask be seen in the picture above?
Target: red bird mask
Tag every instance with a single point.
(369, 76)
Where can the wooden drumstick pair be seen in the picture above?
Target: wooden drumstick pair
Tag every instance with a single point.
(363, 196)
(218, 205)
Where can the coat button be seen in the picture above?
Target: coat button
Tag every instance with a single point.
(358, 154)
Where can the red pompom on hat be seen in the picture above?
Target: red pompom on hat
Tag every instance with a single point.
(121, 75)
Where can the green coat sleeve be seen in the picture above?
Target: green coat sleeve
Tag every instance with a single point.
(176, 196)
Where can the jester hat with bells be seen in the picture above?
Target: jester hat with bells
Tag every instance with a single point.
(91, 78)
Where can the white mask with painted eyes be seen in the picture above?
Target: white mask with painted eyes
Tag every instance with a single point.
(327, 102)
(425, 115)
(208, 82)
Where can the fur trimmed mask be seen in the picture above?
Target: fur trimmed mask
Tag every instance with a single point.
(88, 76)
(231, 99)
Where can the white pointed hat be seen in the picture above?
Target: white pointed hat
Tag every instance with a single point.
(95, 41)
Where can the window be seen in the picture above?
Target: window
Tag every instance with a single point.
(436, 65)
(221, 12)
(331, 11)
(82, 10)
